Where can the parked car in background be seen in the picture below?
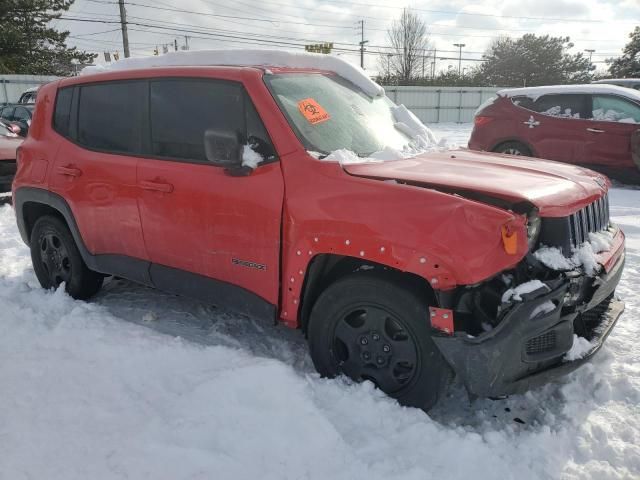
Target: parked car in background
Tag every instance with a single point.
(29, 95)
(401, 269)
(20, 114)
(621, 82)
(9, 142)
(597, 126)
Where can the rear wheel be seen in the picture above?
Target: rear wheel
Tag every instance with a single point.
(369, 328)
(513, 148)
(56, 259)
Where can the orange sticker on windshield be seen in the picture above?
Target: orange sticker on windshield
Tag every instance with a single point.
(312, 111)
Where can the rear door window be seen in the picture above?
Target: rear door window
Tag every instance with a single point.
(21, 114)
(62, 113)
(7, 113)
(111, 116)
(609, 108)
(564, 106)
(556, 105)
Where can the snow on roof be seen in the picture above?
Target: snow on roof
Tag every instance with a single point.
(536, 92)
(244, 58)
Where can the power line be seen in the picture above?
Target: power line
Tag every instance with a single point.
(200, 13)
(450, 12)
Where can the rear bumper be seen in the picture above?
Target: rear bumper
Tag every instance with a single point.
(525, 351)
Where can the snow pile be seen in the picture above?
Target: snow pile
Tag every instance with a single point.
(250, 158)
(522, 289)
(611, 116)
(138, 384)
(581, 347)
(422, 140)
(543, 309)
(410, 125)
(584, 256)
(557, 112)
(249, 57)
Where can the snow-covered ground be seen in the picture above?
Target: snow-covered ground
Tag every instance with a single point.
(139, 384)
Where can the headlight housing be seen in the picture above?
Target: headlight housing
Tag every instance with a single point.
(534, 225)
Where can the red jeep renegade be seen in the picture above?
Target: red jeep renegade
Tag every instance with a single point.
(216, 182)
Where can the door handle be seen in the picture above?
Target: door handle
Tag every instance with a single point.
(594, 130)
(69, 171)
(156, 186)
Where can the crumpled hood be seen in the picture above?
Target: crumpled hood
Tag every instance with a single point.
(557, 189)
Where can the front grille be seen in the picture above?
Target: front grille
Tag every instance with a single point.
(542, 343)
(592, 218)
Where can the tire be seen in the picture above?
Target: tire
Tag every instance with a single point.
(513, 148)
(56, 259)
(369, 328)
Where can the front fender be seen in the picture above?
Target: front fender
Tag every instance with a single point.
(444, 238)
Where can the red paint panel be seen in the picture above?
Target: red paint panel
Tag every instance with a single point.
(441, 319)
(209, 218)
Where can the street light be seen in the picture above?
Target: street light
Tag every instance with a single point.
(459, 45)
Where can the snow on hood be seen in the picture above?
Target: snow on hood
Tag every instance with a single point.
(249, 58)
(536, 92)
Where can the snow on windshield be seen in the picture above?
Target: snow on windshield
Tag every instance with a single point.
(422, 140)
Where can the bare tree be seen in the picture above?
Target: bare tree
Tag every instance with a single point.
(409, 40)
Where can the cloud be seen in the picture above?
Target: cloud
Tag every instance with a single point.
(290, 24)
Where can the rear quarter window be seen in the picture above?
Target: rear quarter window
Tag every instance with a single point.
(556, 105)
(62, 112)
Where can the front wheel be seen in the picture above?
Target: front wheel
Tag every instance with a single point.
(56, 259)
(369, 328)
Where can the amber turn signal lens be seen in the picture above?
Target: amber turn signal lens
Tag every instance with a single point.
(509, 240)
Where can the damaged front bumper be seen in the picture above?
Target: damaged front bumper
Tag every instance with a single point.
(529, 346)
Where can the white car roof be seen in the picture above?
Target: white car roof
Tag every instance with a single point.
(589, 89)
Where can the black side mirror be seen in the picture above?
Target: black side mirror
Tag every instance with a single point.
(223, 148)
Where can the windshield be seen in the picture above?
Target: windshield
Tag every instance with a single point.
(329, 113)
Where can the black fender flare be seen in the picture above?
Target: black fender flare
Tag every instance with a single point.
(119, 265)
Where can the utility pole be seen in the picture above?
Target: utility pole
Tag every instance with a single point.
(123, 23)
(590, 51)
(362, 42)
(433, 64)
(459, 45)
(186, 42)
